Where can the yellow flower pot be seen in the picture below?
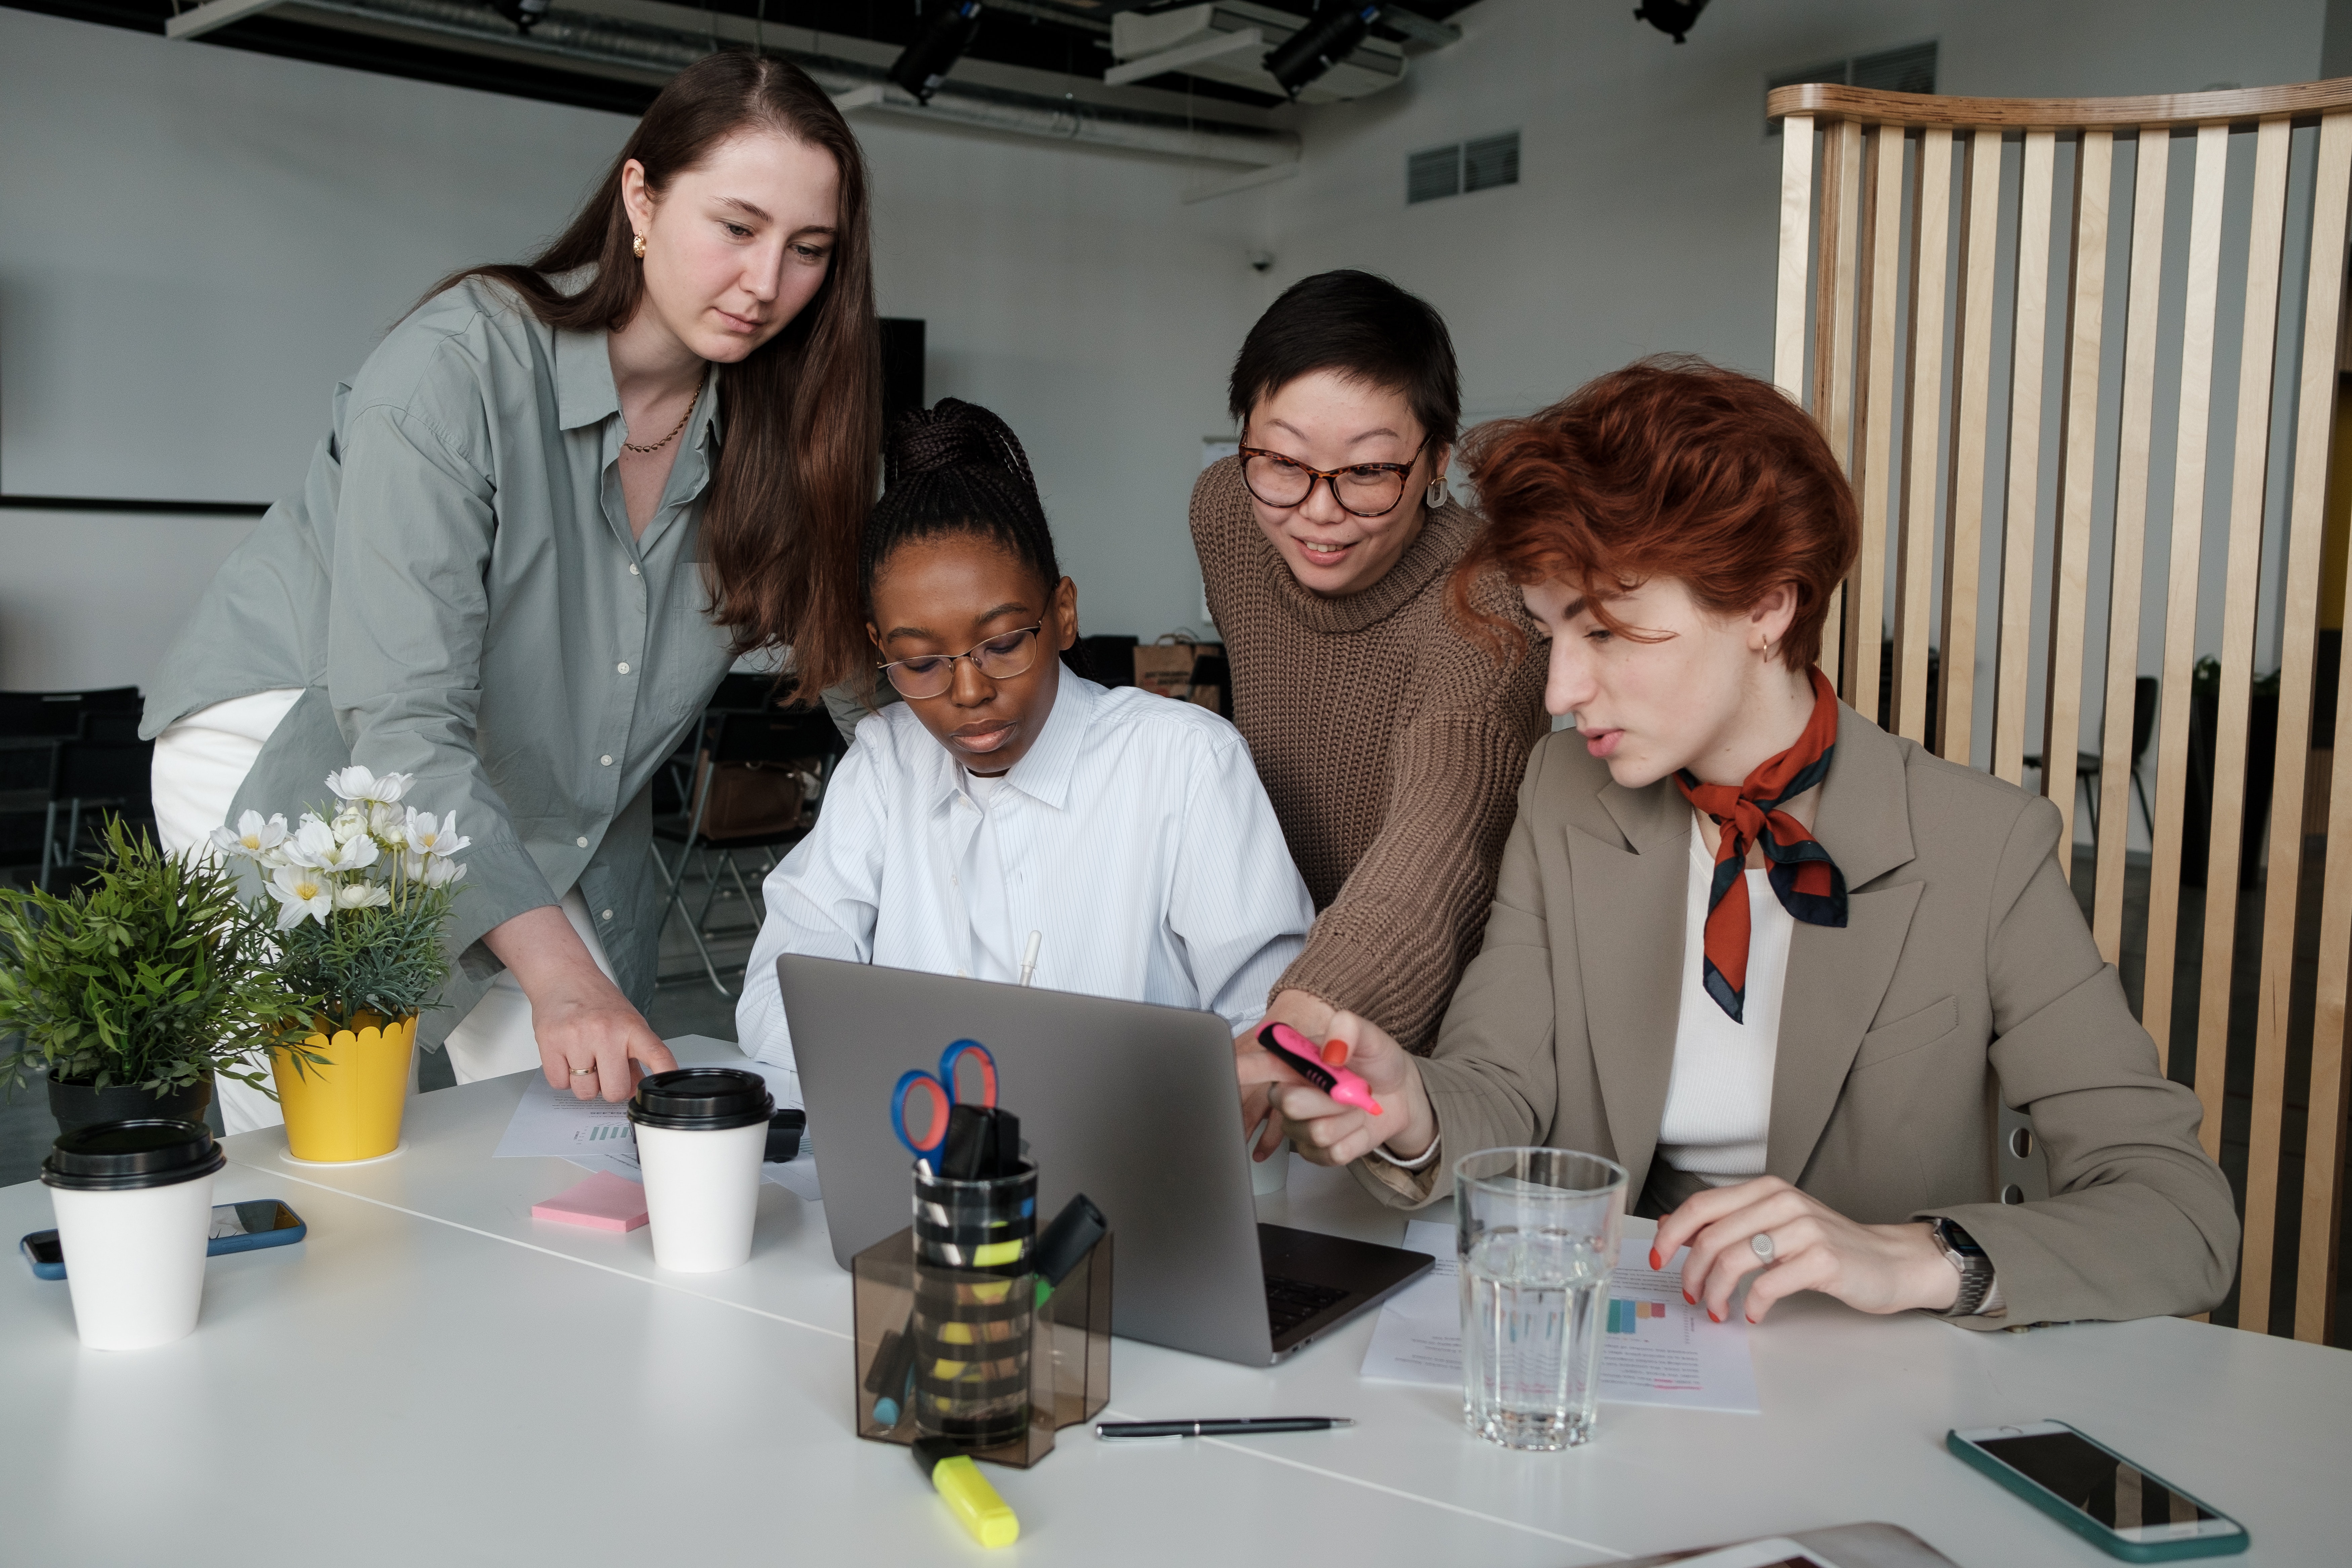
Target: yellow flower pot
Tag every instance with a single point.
(350, 1108)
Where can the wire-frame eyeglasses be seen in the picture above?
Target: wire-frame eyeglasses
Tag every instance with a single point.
(1000, 658)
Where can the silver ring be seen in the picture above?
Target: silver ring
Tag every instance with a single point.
(1760, 1244)
(583, 1072)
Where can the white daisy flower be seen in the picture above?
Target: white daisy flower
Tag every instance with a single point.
(426, 834)
(361, 895)
(356, 783)
(302, 893)
(440, 869)
(253, 837)
(351, 855)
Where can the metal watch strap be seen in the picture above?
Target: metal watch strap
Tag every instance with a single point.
(1976, 1271)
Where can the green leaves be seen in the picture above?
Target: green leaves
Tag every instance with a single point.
(153, 974)
(385, 959)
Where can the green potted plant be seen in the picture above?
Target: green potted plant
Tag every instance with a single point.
(133, 992)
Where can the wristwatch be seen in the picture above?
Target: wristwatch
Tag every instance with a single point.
(1961, 1251)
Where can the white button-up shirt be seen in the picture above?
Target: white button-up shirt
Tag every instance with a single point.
(1134, 839)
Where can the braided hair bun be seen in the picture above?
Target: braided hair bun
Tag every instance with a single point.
(957, 468)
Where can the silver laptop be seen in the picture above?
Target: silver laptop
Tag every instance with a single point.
(1133, 1105)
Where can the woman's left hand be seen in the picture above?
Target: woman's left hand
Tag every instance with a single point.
(1869, 1268)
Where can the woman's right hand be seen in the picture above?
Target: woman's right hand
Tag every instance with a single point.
(590, 1040)
(1329, 1133)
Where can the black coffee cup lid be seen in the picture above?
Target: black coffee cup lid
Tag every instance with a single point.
(108, 1156)
(702, 1100)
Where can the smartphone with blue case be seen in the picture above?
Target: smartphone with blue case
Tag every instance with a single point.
(236, 1228)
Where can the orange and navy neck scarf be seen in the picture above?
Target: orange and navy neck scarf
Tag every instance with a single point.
(1808, 881)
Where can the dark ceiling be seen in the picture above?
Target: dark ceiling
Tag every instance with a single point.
(1065, 36)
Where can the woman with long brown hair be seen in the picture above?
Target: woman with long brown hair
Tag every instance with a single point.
(555, 503)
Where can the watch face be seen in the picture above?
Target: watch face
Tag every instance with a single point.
(1958, 1240)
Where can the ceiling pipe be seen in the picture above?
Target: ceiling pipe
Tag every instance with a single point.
(611, 43)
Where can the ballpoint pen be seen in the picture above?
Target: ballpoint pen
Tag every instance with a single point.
(1247, 1427)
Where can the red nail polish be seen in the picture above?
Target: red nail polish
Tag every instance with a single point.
(1656, 1262)
(1691, 1299)
(1711, 1317)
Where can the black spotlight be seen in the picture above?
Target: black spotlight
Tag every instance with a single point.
(929, 59)
(1327, 40)
(1674, 16)
(521, 13)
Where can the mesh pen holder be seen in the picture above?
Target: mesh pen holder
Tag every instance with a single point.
(952, 1340)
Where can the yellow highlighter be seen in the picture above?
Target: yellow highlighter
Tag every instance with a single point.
(969, 1495)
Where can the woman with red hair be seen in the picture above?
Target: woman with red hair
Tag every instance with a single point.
(1774, 960)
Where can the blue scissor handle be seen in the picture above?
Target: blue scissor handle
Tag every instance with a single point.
(942, 1090)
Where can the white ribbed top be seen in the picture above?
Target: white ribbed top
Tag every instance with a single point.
(1719, 1099)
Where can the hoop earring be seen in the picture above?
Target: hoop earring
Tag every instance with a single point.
(640, 247)
(1437, 495)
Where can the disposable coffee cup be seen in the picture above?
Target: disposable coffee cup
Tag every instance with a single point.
(701, 1132)
(1271, 1175)
(135, 1207)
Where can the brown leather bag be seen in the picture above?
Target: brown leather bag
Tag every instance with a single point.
(750, 800)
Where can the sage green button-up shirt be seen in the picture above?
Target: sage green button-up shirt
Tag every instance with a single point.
(456, 590)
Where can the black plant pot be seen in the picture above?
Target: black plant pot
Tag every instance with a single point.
(78, 1105)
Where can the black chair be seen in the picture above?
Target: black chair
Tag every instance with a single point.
(772, 736)
(2087, 763)
(68, 750)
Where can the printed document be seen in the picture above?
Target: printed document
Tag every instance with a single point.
(596, 1135)
(1656, 1347)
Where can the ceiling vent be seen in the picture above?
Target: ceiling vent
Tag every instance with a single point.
(1479, 165)
(1229, 41)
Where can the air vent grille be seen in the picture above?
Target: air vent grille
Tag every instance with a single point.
(1432, 174)
(1491, 161)
(1479, 165)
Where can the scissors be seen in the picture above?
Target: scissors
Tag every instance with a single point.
(937, 1097)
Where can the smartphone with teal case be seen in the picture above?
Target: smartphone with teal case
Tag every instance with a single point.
(236, 1228)
(2097, 1494)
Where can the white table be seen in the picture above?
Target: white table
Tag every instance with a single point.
(433, 1376)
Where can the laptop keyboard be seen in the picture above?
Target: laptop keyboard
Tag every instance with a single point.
(1290, 1302)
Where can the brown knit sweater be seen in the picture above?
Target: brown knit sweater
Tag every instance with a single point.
(1391, 744)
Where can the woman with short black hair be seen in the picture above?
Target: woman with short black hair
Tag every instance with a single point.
(1389, 742)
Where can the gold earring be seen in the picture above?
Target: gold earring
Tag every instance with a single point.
(640, 247)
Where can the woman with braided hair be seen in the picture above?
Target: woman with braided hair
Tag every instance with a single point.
(1012, 820)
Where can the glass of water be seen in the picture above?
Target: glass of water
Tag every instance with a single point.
(1537, 1237)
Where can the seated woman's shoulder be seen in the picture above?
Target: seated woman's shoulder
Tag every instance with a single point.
(1167, 720)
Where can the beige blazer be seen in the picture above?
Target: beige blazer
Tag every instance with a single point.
(1965, 970)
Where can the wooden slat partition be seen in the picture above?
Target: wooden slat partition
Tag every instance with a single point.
(1931, 217)
(2062, 721)
(2180, 595)
(2248, 469)
(1842, 307)
(1834, 289)
(2299, 636)
(1873, 439)
(2322, 1156)
(1972, 381)
(1796, 206)
(2138, 411)
(2037, 182)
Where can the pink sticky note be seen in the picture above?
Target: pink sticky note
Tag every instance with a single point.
(603, 1201)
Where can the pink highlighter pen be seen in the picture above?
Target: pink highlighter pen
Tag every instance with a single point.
(1347, 1088)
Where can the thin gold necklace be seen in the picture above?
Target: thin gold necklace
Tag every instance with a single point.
(658, 446)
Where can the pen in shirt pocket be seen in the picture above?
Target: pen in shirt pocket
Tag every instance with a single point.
(1029, 956)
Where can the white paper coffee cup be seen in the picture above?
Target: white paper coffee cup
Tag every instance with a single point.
(134, 1202)
(701, 1135)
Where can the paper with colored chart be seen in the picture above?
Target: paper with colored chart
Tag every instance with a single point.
(596, 1135)
(1655, 1348)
